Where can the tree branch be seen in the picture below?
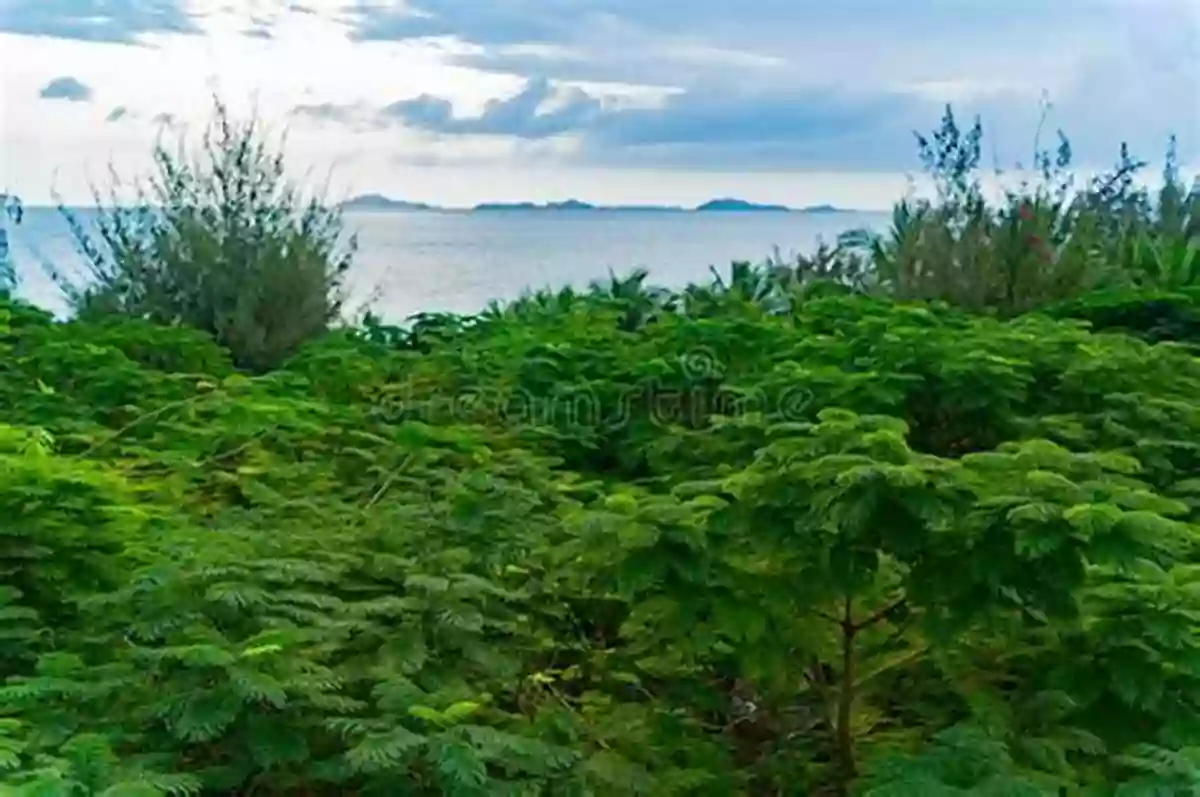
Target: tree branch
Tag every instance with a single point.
(879, 615)
(827, 616)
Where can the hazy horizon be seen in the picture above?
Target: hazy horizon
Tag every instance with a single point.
(993, 185)
(420, 206)
(457, 262)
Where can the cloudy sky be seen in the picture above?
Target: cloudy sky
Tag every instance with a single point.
(459, 101)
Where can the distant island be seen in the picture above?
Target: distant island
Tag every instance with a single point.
(380, 202)
(570, 204)
(739, 206)
(721, 205)
(574, 205)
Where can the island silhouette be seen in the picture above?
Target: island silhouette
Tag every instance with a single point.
(723, 204)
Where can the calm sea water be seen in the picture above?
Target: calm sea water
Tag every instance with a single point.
(429, 262)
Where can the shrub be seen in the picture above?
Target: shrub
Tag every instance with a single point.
(221, 242)
(10, 210)
(1155, 316)
(1048, 240)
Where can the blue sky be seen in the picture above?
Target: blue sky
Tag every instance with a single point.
(457, 101)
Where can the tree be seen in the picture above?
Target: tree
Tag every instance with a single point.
(220, 242)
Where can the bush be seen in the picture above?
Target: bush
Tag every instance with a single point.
(221, 242)
(1046, 241)
(10, 210)
(1154, 316)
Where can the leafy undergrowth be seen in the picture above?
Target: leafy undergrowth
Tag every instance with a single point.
(858, 547)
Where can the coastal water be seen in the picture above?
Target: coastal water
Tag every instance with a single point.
(457, 262)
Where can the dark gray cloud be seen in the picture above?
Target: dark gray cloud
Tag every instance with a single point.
(95, 20)
(117, 114)
(807, 126)
(724, 129)
(821, 83)
(524, 115)
(66, 88)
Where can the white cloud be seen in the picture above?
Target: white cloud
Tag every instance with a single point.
(309, 59)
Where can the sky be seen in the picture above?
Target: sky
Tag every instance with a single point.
(621, 101)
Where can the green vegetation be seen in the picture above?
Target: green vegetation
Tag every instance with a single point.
(836, 528)
(10, 210)
(218, 241)
(1049, 239)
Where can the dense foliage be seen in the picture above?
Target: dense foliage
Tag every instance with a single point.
(583, 545)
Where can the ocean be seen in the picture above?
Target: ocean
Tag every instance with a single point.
(410, 262)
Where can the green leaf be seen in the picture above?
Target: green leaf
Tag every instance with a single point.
(458, 711)
(428, 714)
(258, 686)
(132, 790)
(385, 752)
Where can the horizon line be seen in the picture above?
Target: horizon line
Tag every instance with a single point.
(407, 206)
